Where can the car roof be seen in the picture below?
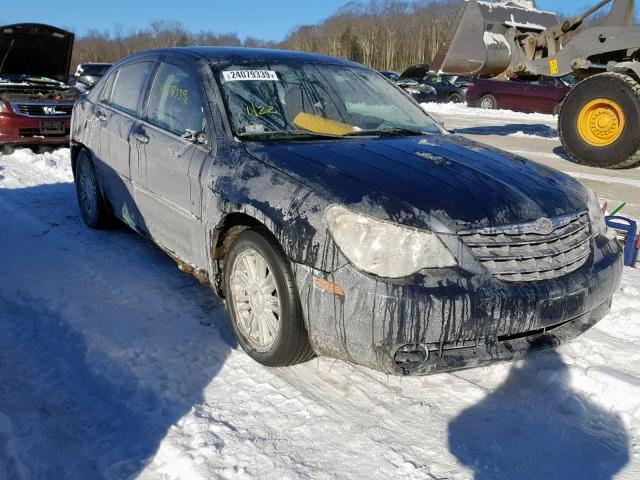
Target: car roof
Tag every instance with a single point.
(247, 55)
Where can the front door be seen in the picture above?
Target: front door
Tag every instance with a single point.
(171, 146)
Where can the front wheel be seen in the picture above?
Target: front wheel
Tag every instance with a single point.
(599, 122)
(263, 301)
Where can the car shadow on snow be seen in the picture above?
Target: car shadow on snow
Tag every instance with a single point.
(534, 426)
(104, 345)
(536, 130)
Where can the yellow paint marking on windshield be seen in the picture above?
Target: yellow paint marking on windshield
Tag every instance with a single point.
(318, 124)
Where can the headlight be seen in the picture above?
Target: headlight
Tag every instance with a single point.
(596, 216)
(412, 91)
(383, 248)
(4, 107)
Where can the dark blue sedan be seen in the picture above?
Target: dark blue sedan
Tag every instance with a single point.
(335, 216)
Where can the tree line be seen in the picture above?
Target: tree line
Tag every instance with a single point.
(383, 34)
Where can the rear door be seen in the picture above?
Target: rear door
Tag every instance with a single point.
(118, 112)
(173, 143)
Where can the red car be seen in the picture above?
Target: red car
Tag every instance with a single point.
(35, 103)
(539, 94)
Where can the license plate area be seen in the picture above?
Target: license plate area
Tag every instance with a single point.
(52, 128)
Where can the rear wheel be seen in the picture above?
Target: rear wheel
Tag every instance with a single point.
(454, 98)
(263, 301)
(488, 102)
(92, 207)
(599, 122)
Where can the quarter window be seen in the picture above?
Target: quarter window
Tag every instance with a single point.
(175, 103)
(129, 86)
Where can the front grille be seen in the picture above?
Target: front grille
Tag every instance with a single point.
(516, 253)
(43, 109)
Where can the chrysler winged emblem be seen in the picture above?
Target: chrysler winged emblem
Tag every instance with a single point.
(544, 226)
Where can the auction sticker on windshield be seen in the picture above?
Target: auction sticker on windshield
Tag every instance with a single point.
(233, 75)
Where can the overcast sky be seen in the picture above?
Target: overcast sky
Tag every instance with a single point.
(264, 19)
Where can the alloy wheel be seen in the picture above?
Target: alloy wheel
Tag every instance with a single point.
(255, 299)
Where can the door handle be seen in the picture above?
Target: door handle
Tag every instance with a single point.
(101, 115)
(141, 137)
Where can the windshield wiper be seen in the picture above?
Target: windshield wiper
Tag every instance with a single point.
(293, 133)
(388, 132)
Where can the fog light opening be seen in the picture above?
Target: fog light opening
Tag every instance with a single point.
(410, 356)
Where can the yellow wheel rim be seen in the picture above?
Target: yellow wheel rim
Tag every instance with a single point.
(601, 122)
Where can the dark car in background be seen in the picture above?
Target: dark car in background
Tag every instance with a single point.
(419, 92)
(88, 74)
(448, 88)
(35, 103)
(393, 76)
(529, 94)
(335, 216)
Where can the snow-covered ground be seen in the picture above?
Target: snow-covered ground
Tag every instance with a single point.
(114, 364)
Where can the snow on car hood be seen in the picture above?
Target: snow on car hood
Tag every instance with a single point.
(36, 50)
(442, 182)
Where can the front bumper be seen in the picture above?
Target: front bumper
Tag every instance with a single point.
(23, 130)
(460, 318)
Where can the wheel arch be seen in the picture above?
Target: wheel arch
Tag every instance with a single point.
(222, 235)
(75, 148)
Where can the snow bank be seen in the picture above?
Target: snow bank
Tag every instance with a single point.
(465, 110)
(24, 166)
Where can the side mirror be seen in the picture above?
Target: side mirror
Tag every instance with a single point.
(201, 138)
(196, 137)
(88, 84)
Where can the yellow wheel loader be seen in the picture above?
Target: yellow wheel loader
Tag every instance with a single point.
(599, 121)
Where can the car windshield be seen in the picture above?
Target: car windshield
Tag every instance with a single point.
(323, 99)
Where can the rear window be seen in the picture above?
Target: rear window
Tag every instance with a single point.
(129, 84)
(415, 73)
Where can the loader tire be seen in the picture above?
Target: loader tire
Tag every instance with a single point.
(599, 122)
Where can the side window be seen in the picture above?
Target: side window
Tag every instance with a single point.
(129, 85)
(105, 97)
(175, 103)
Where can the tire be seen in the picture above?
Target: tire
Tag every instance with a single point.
(574, 123)
(454, 98)
(488, 102)
(286, 342)
(92, 206)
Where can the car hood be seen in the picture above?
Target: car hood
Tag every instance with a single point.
(442, 182)
(36, 50)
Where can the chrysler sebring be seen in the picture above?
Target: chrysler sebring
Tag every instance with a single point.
(334, 216)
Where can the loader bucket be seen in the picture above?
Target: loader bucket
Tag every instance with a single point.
(478, 45)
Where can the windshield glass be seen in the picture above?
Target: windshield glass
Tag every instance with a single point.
(325, 99)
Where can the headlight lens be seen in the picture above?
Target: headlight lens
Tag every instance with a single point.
(596, 216)
(412, 91)
(4, 107)
(383, 248)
